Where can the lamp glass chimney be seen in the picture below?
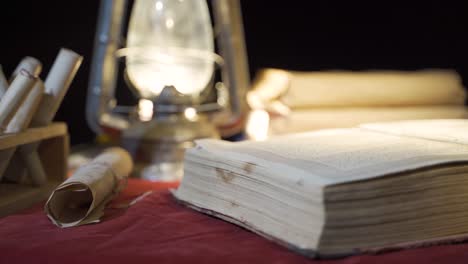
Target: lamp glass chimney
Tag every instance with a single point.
(169, 42)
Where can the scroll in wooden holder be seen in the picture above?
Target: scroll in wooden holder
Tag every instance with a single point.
(53, 152)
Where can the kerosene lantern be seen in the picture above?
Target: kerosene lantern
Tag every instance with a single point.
(170, 62)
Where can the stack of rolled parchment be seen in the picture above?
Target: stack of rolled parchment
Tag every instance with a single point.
(26, 101)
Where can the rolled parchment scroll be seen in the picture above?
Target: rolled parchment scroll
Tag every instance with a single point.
(9, 105)
(58, 81)
(25, 112)
(14, 97)
(10, 102)
(81, 198)
(29, 64)
(21, 121)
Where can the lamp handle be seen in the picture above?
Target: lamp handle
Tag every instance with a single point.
(229, 30)
(100, 101)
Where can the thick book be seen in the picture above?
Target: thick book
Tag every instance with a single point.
(339, 192)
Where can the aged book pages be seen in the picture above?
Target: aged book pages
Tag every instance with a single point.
(448, 130)
(339, 155)
(81, 198)
(367, 88)
(319, 192)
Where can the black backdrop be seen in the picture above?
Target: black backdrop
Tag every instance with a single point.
(300, 35)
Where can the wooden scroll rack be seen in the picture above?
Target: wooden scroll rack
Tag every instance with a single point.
(53, 152)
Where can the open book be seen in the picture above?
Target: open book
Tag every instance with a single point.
(338, 192)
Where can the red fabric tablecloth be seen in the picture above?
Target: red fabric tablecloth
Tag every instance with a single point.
(158, 230)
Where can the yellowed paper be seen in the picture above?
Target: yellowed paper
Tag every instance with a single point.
(336, 156)
(25, 112)
(14, 97)
(447, 130)
(303, 120)
(29, 64)
(358, 89)
(20, 122)
(81, 198)
(56, 84)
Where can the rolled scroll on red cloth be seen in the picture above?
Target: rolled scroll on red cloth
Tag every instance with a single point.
(157, 229)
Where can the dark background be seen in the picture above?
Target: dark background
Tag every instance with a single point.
(300, 35)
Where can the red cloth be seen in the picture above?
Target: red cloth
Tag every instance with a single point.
(158, 230)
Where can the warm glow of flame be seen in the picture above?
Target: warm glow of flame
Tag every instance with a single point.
(145, 110)
(258, 125)
(170, 43)
(159, 5)
(191, 114)
(169, 23)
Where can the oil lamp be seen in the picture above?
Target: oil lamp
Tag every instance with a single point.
(170, 63)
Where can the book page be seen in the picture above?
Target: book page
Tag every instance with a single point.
(449, 130)
(338, 156)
